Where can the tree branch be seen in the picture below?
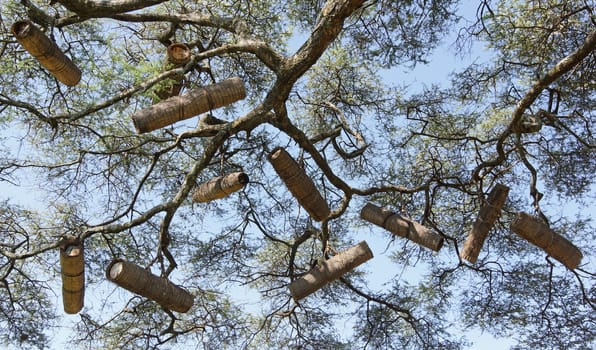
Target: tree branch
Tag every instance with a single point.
(102, 8)
(564, 66)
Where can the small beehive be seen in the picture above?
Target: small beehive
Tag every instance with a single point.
(72, 269)
(330, 270)
(538, 233)
(401, 226)
(178, 54)
(488, 215)
(46, 52)
(220, 187)
(141, 281)
(300, 185)
(194, 102)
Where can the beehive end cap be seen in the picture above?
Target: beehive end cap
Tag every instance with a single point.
(114, 269)
(275, 152)
(243, 178)
(21, 28)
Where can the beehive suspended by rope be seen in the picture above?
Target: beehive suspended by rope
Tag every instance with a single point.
(401, 226)
(193, 103)
(46, 52)
(330, 270)
(140, 281)
(72, 269)
(488, 215)
(300, 185)
(219, 187)
(178, 54)
(538, 233)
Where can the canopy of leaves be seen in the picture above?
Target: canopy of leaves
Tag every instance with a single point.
(319, 80)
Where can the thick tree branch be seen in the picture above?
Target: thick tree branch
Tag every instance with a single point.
(328, 27)
(102, 8)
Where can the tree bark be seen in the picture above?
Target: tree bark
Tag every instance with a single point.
(488, 215)
(220, 187)
(140, 281)
(401, 226)
(538, 233)
(101, 8)
(299, 184)
(72, 266)
(193, 103)
(330, 270)
(46, 52)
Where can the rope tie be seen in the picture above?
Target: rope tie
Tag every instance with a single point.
(552, 240)
(210, 103)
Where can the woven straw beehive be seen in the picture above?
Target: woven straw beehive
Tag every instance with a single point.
(194, 102)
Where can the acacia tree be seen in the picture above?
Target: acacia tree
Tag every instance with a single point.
(313, 74)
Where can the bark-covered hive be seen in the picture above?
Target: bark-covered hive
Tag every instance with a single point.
(488, 215)
(141, 281)
(401, 226)
(220, 187)
(538, 233)
(299, 184)
(330, 270)
(46, 52)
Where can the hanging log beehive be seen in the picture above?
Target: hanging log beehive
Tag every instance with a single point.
(330, 270)
(488, 215)
(538, 233)
(300, 185)
(195, 102)
(72, 269)
(141, 281)
(219, 187)
(178, 55)
(401, 226)
(46, 52)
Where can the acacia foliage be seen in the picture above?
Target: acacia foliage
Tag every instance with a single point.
(316, 78)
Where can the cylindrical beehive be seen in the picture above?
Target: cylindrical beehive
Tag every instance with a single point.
(538, 233)
(178, 54)
(219, 187)
(72, 266)
(401, 226)
(195, 102)
(140, 281)
(46, 52)
(488, 215)
(330, 270)
(299, 184)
